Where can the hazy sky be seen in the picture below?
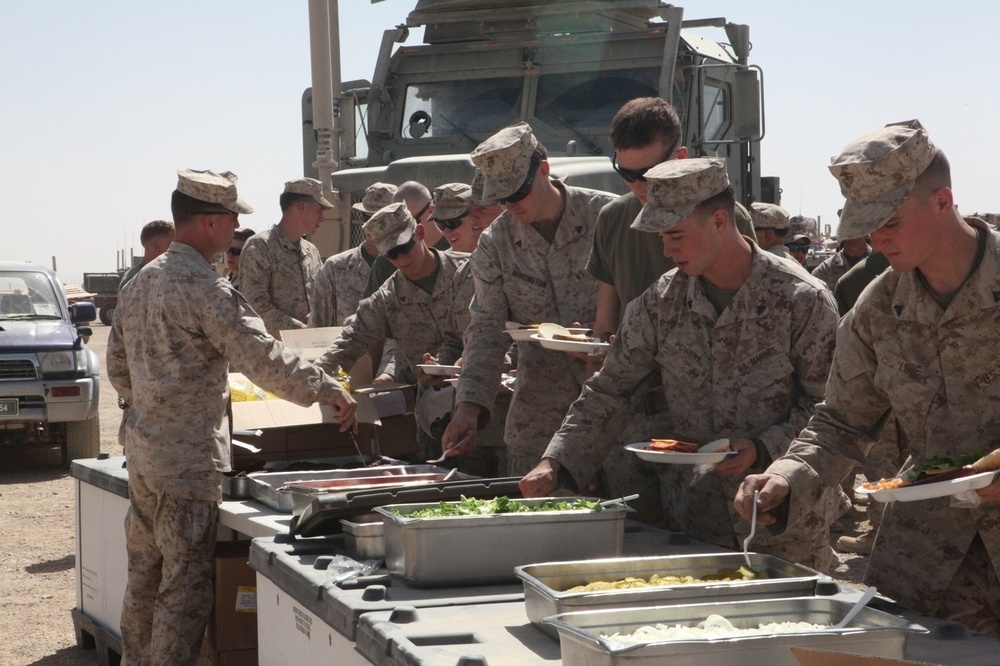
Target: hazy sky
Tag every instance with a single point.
(102, 101)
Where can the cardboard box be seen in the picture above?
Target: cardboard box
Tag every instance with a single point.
(813, 657)
(397, 436)
(233, 625)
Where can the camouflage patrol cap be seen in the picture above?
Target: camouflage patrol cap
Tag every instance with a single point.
(505, 159)
(310, 187)
(377, 196)
(798, 239)
(477, 191)
(768, 216)
(390, 227)
(211, 187)
(676, 188)
(877, 172)
(451, 200)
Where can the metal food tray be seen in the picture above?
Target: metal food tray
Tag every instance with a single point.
(545, 584)
(272, 488)
(475, 550)
(323, 515)
(871, 633)
(364, 537)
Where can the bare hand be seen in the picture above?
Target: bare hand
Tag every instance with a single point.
(345, 412)
(991, 493)
(384, 378)
(773, 489)
(460, 435)
(542, 480)
(733, 466)
(437, 381)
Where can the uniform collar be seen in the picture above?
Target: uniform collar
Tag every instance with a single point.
(571, 226)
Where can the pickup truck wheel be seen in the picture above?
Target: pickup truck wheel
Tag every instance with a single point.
(107, 313)
(83, 440)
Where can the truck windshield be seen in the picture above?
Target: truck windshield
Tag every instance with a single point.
(446, 109)
(25, 295)
(591, 99)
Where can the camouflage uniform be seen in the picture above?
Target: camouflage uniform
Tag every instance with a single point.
(936, 370)
(755, 371)
(833, 268)
(178, 327)
(520, 277)
(337, 288)
(276, 276)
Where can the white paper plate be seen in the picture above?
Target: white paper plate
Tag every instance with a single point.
(524, 334)
(440, 370)
(930, 490)
(569, 345)
(700, 457)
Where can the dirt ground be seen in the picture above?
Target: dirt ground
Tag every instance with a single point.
(37, 552)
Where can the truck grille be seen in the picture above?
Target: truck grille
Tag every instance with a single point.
(17, 369)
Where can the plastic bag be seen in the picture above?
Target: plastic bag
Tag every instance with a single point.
(968, 499)
(343, 568)
(242, 389)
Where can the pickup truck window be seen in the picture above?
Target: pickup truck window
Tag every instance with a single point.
(27, 295)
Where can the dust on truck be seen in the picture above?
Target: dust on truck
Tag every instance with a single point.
(563, 66)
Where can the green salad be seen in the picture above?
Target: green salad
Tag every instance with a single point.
(469, 506)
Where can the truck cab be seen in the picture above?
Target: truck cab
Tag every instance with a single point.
(49, 379)
(563, 66)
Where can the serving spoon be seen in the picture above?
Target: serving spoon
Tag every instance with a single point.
(753, 531)
(856, 608)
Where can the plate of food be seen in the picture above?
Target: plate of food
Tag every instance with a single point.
(676, 452)
(559, 338)
(440, 370)
(520, 332)
(940, 476)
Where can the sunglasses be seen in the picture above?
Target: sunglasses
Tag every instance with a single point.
(525, 188)
(422, 211)
(451, 224)
(235, 251)
(797, 247)
(400, 250)
(632, 175)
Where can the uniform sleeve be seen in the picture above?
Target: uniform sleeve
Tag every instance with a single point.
(239, 335)
(369, 324)
(393, 362)
(593, 422)
(117, 360)
(256, 266)
(323, 299)
(811, 353)
(485, 341)
(451, 346)
(597, 265)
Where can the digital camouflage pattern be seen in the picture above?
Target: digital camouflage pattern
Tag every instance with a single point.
(520, 277)
(504, 160)
(676, 187)
(377, 196)
(402, 311)
(832, 269)
(876, 172)
(755, 371)
(178, 329)
(459, 317)
(337, 288)
(937, 370)
(310, 187)
(211, 187)
(390, 227)
(276, 276)
(451, 200)
(768, 216)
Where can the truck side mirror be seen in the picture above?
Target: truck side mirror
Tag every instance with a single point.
(82, 312)
(747, 116)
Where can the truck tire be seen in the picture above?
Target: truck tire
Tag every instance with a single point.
(83, 440)
(107, 313)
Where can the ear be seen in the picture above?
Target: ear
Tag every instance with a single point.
(544, 169)
(720, 219)
(943, 199)
(681, 153)
(420, 232)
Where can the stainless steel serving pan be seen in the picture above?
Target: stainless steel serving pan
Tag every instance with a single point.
(475, 550)
(872, 633)
(545, 584)
(364, 537)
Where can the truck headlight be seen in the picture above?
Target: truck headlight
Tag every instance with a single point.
(61, 362)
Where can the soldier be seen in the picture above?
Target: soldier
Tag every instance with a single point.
(848, 254)
(853, 282)
(411, 307)
(240, 237)
(178, 327)
(530, 266)
(770, 223)
(798, 248)
(742, 341)
(338, 286)
(278, 265)
(155, 238)
(921, 342)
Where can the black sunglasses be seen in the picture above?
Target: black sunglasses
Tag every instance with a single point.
(452, 223)
(405, 248)
(235, 251)
(797, 247)
(632, 175)
(525, 188)
(422, 211)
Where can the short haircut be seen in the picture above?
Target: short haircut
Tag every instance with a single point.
(155, 229)
(540, 154)
(724, 200)
(781, 233)
(289, 199)
(412, 192)
(184, 208)
(643, 120)
(936, 175)
(242, 234)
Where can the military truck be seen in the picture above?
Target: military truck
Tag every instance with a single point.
(563, 66)
(104, 290)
